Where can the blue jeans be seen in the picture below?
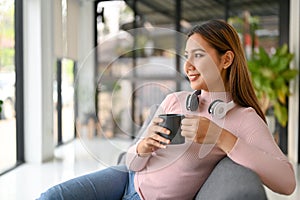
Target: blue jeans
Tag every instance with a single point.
(108, 184)
(130, 193)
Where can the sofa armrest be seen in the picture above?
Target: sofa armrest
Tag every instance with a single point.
(232, 181)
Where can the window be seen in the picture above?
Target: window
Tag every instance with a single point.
(8, 136)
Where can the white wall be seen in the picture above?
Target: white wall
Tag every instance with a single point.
(66, 29)
(86, 60)
(38, 70)
(293, 126)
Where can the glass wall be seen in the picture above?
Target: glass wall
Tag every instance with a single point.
(63, 100)
(66, 28)
(134, 57)
(7, 86)
(136, 68)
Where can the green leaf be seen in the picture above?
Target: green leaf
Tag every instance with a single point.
(278, 82)
(289, 74)
(282, 93)
(282, 50)
(281, 114)
(271, 75)
(274, 61)
(283, 64)
(264, 57)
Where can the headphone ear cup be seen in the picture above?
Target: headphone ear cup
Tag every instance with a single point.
(217, 109)
(192, 102)
(212, 106)
(188, 102)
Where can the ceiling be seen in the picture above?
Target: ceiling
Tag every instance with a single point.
(161, 12)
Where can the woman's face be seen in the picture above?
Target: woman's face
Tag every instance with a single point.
(203, 66)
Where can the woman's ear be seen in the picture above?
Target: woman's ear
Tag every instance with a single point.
(228, 59)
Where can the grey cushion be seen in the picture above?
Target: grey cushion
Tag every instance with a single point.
(232, 181)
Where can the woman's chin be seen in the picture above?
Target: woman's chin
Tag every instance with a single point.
(197, 86)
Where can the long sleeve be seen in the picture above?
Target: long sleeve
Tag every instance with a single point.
(257, 150)
(135, 162)
(172, 103)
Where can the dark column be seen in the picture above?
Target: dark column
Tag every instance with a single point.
(284, 21)
(19, 80)
(178, 41)
(75, 97)
(227, 8)
(96, 14)
(134, 57)
(59, 102)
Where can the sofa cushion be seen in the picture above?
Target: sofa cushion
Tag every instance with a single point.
(230, 180)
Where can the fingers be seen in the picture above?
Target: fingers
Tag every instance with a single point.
(160, 139)
(154, 141)
(155, 128)
(154, 144)
(157, 120)
(189, 135)
(190, 120)
(190, 126)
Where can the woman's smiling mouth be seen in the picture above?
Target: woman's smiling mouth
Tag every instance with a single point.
(193, 77)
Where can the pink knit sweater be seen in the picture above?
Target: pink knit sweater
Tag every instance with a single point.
(178, 171)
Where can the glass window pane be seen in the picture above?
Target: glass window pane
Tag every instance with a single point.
(67, 98)
(67, 89)
(133, 63)
(7, 86)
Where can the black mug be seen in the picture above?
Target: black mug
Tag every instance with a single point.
(172, 122)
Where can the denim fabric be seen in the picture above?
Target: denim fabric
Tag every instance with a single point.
(107, 184)
(130, 193)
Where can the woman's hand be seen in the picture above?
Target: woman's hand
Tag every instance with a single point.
(153, 141)
(203, 131)
(200, 129)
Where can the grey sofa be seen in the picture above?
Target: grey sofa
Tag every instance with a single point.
(228, 181)
(232, 181)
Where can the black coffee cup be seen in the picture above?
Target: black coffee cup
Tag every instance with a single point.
(173, 123)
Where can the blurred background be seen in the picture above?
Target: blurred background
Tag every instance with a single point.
(79, 77)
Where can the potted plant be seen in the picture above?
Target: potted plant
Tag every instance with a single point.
(271, 75)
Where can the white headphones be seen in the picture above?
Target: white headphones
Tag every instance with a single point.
(217, 108)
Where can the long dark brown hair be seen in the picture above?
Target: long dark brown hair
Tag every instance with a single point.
(223, 37)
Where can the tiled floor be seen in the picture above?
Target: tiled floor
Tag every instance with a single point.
(76, 158)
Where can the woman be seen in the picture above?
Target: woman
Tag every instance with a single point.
(216, 67)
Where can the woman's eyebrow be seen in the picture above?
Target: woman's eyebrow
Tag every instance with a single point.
(193, 50)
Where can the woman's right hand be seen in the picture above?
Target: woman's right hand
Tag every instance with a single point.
(153, 141)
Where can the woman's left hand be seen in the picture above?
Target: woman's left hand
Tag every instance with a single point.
(200, 130)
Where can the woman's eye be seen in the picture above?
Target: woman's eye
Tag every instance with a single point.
(198, 55)
(195, 55)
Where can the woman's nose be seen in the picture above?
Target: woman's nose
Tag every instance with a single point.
(189, 65)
